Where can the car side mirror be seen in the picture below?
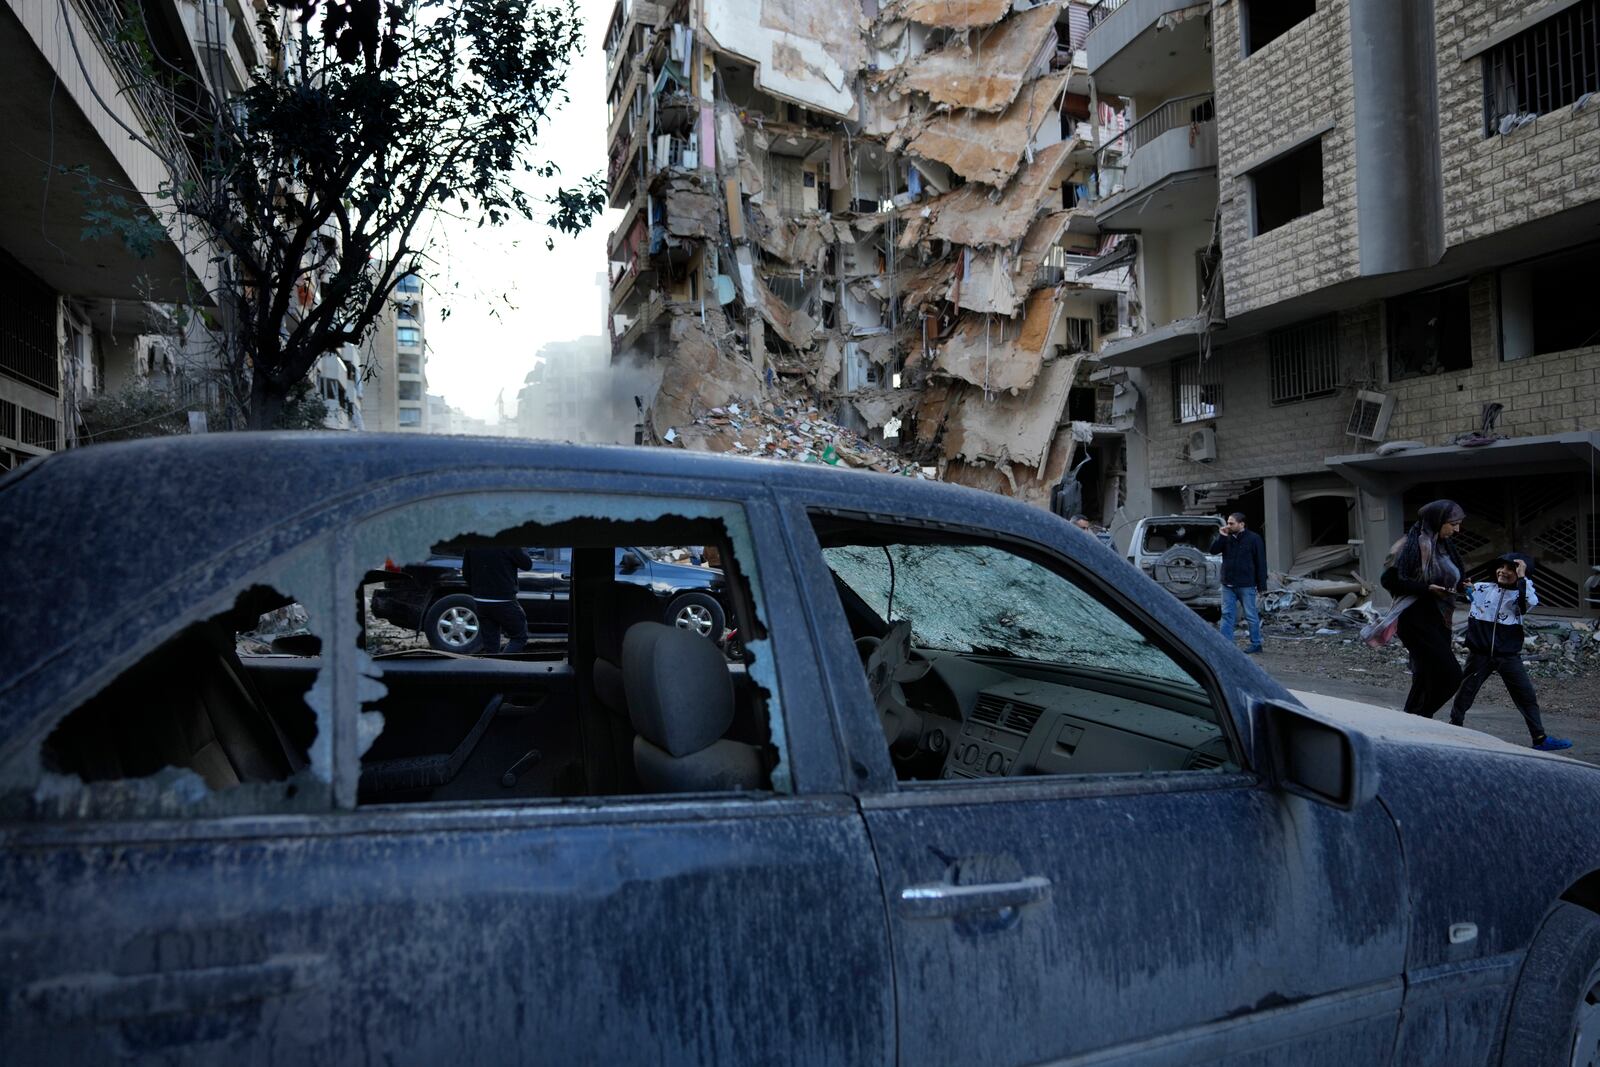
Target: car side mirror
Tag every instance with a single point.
(629, 564)
(1317, 759)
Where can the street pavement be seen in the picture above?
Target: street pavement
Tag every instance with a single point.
(1492, 712)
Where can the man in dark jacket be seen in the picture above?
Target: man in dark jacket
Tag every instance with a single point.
(491, 575)
(1244, 574)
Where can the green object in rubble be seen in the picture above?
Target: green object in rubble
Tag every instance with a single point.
(830, 456)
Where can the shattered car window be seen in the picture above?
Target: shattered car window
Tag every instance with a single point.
(1158, 537)
(218, 717)
(477, 687)
(981, 599)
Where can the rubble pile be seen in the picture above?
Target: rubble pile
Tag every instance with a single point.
(779, 430)
(1560, 647)
(1553, 648)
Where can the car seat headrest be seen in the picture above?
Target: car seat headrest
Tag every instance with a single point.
(680, 696)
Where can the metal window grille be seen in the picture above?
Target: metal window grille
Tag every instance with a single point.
(1098, 13)
(37, 430)
(1196, 390)
(1542, 68)
(1304, 361)
(28, 329)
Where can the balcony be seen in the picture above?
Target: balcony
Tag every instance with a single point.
(1147, 47)
(622, 36)
(1161, 172)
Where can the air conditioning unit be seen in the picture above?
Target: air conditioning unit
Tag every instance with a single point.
(1369, 419)
(1203, 444)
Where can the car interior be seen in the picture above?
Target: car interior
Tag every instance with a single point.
(626, 705)
(985, 664)
(193, 705)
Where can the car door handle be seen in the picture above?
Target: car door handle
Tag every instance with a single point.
(107, 998)
(941, 901)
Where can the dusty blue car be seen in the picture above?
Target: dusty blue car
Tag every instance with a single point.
(972, 791)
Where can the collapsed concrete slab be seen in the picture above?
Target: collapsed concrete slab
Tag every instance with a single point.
(988, 148)
(985, 72)
(998, 354)
(950, 14)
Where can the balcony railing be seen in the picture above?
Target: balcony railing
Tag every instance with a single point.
(1179, 111)
(1101, 11)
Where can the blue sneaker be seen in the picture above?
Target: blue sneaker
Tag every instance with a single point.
(1553, 744)
(1252, 650)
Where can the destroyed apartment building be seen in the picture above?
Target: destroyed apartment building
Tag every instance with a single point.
(873, 214)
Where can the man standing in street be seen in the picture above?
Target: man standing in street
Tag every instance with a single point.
(491, 575)
(1244, 574)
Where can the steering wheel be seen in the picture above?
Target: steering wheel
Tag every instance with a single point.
(889, 663)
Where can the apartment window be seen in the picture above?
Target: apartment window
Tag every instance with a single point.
(409, 416)
(1288, 187)
(408, 313)
(1304, 361)
(1430, 332)
(27, 328)
(1545, 67)
(1196, 390)
(410, 284)
(408, 390)
(1549, 306)
(408, 335)
(410, 364)
(1263, 21)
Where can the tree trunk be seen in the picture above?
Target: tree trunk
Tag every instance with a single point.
(266, 403)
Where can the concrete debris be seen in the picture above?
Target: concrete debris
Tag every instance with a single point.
(988, 148)
(700, 375)
(986, 284)
(803, 241)
(1007, 428)
(950, 14)
(789, 431)
(878, 407)
(971, 216)
(986, 71)
(689, 207)
(808, 53)
(999, 354)
(797, 328)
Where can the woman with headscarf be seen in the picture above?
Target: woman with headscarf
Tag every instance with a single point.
(1423, 575)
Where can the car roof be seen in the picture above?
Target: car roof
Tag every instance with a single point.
(114, 526)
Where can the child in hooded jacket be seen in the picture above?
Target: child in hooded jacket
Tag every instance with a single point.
(1494, 645)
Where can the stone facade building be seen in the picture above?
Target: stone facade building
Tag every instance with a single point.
(1388, 297)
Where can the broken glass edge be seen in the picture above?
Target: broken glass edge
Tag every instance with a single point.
(28, 789)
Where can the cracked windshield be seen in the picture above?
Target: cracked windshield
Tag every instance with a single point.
(974, 598)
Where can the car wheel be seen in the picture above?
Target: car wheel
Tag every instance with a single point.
(697, 613)
(452, 625)
(1555, 1009)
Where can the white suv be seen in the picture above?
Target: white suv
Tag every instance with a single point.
(1174, 550)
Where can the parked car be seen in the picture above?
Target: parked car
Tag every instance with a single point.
(431, 596)
(976, 791)
(1175, 551)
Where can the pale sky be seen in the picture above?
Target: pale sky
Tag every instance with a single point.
(508, 296)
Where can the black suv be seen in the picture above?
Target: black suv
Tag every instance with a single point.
(432, 596)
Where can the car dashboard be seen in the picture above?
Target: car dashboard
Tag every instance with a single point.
(1011, 726)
